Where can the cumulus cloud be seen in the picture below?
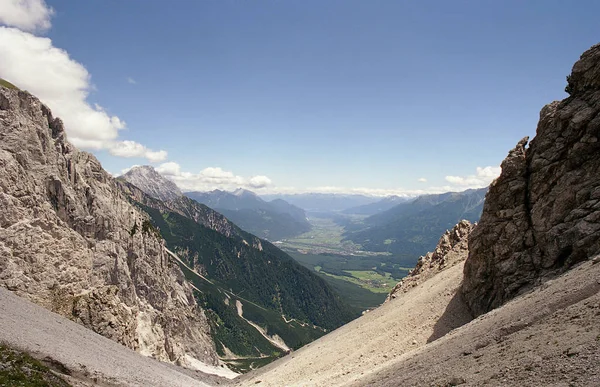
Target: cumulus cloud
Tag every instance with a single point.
(27, 15)
(259, 182)
(422, 180)
(210, 178)
(133, 149)
(482, 178)
(32, 63)
(169, 169)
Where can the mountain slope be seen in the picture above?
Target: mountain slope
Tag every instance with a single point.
(229, 265)
(72, 242)
(80, 356)
(151, 182)
(319, 202)
(377, 207)
(272, 220)
(413, 228)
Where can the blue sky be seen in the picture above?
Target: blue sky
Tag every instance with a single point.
(340, 96)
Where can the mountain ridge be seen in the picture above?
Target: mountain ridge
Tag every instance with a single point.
(272, 220)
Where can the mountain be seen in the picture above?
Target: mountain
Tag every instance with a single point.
(272, 220)
(377, 207)
(410, 229)
(151, 182)
(243, 281)
(73, 243)
(529, 269)
(319, 202)
(170, 279)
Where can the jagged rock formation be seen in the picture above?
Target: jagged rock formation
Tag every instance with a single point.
(450, 250)
(71, 242)
(151, 182)
(542, 215)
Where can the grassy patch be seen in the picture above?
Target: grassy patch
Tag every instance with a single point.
(7, 84)
(355, 295)
(325, 236)
(20, 369)
(375, 286)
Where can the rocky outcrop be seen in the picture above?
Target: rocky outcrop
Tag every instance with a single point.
(71, 242)
(451, 249)
(151, 182)
(542, 215)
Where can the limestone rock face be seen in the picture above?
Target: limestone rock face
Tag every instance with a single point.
(152, 183)
(542, 215)
(71, 242)
(451, 249)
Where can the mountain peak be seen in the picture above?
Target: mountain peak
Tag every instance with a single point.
(151, 182)
(244, 192)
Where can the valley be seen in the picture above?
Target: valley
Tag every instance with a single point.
(362, 278)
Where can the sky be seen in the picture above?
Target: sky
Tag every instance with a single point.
(342, 96)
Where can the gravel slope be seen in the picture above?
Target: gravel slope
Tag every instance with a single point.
(371, 342)
(90, 358)
(548, 337)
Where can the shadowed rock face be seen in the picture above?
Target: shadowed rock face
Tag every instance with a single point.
(542, 215)
(71, 242)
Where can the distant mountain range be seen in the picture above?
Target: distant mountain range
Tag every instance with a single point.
(320, 202)
(377, 207)
(412, 228)
(272, 220)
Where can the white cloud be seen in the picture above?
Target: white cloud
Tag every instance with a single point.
(210, 178)
(482, 178)
(34, 64)
(131, 80)
(133, 149)
(422, 180)
(169, 169)
(27, 15)
(259, 182)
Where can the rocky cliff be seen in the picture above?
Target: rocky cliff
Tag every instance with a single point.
(71, 242)
(451, 249)
(542, 215)
(151, 182)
